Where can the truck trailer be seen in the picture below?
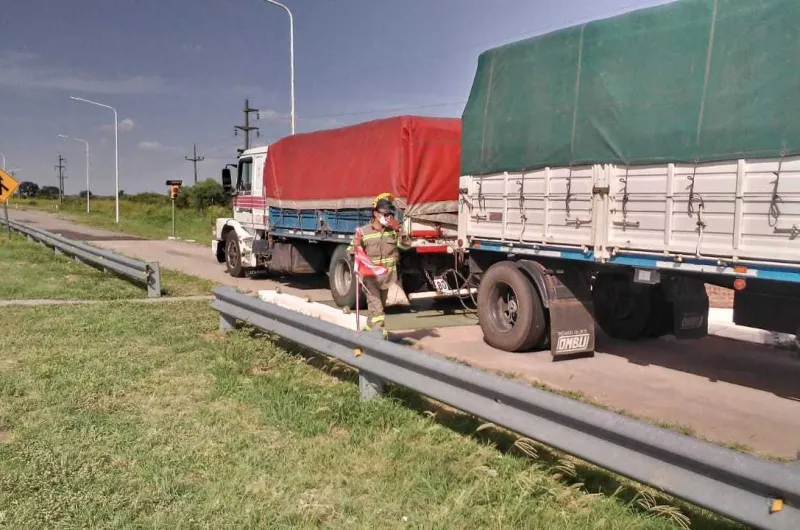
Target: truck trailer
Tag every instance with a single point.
(611, 169)
(298, 202)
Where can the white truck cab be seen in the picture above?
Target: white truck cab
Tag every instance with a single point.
(234, 236)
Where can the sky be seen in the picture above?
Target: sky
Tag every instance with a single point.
(178, 73)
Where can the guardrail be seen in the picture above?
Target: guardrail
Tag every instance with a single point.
(148, 273)
(756, 492)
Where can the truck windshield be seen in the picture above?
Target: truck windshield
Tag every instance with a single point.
(244, 183)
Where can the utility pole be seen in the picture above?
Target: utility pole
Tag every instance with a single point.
(62, 174)
(247, 127)
(195, 159)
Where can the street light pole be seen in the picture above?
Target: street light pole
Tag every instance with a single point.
(116, 153)
(87, 164)
(291, 54)
(4, 161)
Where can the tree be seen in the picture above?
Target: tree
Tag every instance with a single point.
(82, 194)
(28, 190)
(206, 193)
(48, 192)
(121, 193)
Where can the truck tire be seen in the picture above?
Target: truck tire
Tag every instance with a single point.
(510, 309)
(661, 319)
(220, 254)
(340, 278)
(233, 255)
(621, 307)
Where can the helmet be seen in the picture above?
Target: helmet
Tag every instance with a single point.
(384, 201)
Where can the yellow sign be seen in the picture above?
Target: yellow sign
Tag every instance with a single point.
(7, 185)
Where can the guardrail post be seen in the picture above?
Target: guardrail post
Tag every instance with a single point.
(153, 280)
(226, 322)
(369, 386)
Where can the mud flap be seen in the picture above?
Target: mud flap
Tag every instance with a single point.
(690, 307)
(571, 329)
(565, 293)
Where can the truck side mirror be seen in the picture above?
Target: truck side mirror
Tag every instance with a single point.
(226, 181)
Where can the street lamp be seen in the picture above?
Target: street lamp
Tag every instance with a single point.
(87, 164)
(291, 53)
(116, 153)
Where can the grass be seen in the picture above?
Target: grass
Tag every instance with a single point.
(35, 272)
(153, 221)
(115, 417)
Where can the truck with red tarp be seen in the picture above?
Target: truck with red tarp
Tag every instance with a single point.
(298, 202)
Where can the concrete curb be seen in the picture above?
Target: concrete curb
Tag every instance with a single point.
(720, 324)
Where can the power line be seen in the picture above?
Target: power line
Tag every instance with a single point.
(194, 160)
(362, 112)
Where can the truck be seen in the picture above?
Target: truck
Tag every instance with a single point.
(612, 169)
(298, 202)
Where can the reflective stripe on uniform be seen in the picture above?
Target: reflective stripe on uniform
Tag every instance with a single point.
(378, 235)
(377, 319)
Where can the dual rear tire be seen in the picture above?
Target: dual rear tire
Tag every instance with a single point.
(510, 310)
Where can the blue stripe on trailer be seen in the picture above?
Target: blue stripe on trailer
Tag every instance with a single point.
(701, 266)
(338, 222)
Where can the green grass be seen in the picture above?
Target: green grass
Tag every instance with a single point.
(153, 221)
(111, 416)
(34, 272)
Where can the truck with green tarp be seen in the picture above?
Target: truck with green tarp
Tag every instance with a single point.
(612, 169)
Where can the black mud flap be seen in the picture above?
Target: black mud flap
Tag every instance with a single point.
(571, 329)
(690, 307)
(566, 294)
(773, 306)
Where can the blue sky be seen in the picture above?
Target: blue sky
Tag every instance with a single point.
(178, 73)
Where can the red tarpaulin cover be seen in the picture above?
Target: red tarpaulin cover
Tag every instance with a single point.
(416, 159)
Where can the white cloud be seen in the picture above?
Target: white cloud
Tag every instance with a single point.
(126, 125)
(154, 146)
(26, 71)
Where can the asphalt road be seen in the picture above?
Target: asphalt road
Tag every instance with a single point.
(723, 390)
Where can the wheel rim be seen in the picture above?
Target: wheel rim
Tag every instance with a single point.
(342, 277)
(232, 255)
(504, 307)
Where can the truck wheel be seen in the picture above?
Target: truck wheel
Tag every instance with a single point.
(660, 321)
(510, 310)
(621, 307)
(233, 255)
(220, 252)
(340, 277)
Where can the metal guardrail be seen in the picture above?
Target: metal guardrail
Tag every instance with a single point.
(759, 493)
(148, 273)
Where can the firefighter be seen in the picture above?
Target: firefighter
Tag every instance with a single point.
(382, 241)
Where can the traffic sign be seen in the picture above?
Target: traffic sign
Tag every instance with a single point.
(174, 183)
(7, 185)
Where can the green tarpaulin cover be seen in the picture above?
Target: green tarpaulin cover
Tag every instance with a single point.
(695, 80)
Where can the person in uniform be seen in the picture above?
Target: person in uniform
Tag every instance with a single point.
(382, 240)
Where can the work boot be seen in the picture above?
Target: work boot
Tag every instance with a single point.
(380, 333)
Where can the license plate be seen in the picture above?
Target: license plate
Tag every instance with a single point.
(441, 286)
